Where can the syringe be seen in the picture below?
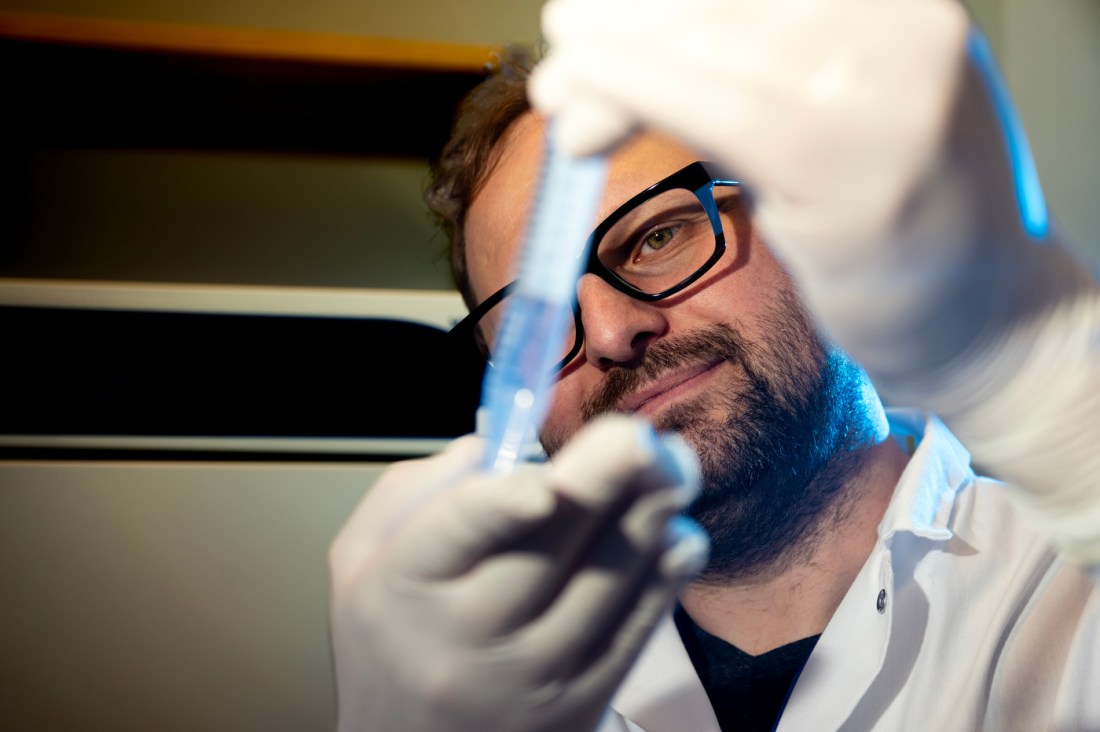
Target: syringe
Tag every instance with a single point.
(517, 387)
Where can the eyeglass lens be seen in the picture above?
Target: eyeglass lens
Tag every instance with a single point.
(659, 243)
(653, 247)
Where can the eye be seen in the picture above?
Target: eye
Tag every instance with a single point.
(658, 233)
(656, 240)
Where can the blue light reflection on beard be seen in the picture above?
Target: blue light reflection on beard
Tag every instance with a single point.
(777, 442)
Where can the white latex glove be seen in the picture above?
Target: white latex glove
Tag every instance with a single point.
(464, 602)
(833, 113)
(874, 136)
(789, 93)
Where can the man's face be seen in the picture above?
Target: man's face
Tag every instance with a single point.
(612, 372)
(732, 363)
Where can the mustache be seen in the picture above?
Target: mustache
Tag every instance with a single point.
(717, 340)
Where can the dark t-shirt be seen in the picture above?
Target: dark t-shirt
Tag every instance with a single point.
(748, 693)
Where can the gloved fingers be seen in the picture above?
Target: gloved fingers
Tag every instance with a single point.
(656, 63)
(591, 123)
(591, 643)
(757, 86)
(685, 556)
(482, 516)
(601, 653)
(616, 457)
(593, 96)
(402, 490)
(601, 595)
(615, 473)
(609, 472)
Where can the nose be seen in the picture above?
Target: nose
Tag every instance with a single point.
(617, 328)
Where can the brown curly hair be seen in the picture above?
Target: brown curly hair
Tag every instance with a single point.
(456, 177)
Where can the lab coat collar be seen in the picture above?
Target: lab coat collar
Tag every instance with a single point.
(851, 652)
(662, 692)
(938, 468)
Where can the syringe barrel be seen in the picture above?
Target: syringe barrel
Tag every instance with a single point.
(518, 386)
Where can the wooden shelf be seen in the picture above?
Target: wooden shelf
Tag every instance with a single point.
(83, 82)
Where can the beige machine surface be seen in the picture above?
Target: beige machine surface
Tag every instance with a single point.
(169, 595)
(176, 589)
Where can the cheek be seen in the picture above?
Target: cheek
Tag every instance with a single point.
(563, 418)
(736, 290)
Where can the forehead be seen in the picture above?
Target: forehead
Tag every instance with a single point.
(496, 220)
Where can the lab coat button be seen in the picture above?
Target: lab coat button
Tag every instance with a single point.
(881, 602)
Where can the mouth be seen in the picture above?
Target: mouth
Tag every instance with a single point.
(668, 388)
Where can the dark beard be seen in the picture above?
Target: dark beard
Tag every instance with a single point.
(774, 468)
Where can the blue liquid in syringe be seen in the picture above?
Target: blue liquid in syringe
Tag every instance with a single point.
(517, 389)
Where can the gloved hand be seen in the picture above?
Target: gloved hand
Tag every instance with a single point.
(889, 172)
(463, 601)
(789, 93)
(834, 115)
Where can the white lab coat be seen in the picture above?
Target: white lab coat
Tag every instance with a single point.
(985, 627)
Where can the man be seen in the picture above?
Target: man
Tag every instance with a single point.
(797, 468)
(917, 596)
(890, 171)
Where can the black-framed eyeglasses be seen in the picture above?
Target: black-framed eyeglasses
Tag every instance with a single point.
(653, 246)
